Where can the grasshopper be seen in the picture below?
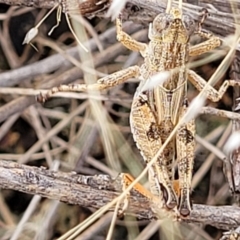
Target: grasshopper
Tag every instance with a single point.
(155, 112)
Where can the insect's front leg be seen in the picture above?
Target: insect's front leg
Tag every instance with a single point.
(211, 93)
(206, 46)
(103, 83)
(127, 40)
(185, 157)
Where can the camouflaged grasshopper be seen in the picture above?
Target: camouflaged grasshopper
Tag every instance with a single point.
(155, 112)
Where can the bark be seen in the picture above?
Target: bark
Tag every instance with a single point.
(97, 191)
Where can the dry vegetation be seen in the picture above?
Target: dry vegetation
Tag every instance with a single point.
(90, 135)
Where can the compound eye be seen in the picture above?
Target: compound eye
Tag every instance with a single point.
(189, 24)
(161, 22)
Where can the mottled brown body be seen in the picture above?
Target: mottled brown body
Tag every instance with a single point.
(156, 112)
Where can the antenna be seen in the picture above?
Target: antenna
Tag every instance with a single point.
(169, 4)
(180, 4)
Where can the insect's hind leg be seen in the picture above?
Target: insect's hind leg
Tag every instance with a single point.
(185, 157)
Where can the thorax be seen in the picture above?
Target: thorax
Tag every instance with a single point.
(170, 57)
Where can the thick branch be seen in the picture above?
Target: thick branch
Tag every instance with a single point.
(220, 21)
(97, 191)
